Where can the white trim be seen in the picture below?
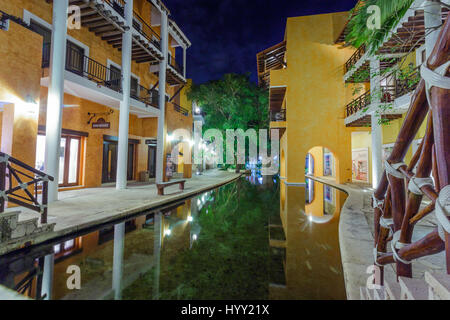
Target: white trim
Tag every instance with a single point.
(28, 16)
(389, 145)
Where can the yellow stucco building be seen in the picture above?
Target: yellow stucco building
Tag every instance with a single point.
(92, 88)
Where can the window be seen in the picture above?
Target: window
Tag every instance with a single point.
(75, 57)
(69, 159)
(114, 77)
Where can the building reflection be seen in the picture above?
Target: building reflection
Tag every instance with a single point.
(110, 259)
(309, 252)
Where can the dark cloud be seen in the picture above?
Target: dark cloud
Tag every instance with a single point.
(227, 34)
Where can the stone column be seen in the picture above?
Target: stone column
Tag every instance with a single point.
(47, 278)
(122, 153)
(376, 133)
(119, 244)
(55, 98)
(157, 253)
(162, 99)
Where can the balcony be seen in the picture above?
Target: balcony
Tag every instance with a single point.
(272, 58)
(105, 18)
(175, 73)
(180, 109)
(147, 96)
(355, 58)
(87, 68)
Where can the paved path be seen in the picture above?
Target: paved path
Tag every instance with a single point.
(81, 209)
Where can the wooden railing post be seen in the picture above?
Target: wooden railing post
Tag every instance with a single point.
(44, 202)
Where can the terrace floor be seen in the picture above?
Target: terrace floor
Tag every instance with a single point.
(77, 210)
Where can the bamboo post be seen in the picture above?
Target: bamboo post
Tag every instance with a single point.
(2, 185)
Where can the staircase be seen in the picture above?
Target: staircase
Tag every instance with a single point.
(432, 287)
(22, 185)
(12, 229)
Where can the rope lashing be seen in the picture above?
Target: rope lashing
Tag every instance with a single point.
(376, 254)
(4, 158)
(376, 203)
(42, 208)
(442, 209)
(392, 169)
(395, 245)
(416, 183)
(3, 195)
(386, 222)
(435, 78)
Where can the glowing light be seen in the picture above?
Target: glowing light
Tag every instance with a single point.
(310, 218)
(197, 110)
(167, 232)
(191, 143)
(190, 219)
(169, 138)
(194, 237)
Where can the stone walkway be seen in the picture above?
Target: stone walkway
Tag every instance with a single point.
(356, 239)
(86, 208)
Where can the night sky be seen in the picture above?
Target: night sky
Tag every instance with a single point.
(227, 34)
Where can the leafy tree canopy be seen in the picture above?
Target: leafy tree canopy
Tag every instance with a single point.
(233, 102)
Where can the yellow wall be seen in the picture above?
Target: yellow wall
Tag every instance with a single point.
(316, 94)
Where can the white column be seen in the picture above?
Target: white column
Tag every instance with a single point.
(433, 19)
(157, 253)
(47, 277)
(184, 62)
(122, 153)
(162, 98)
(55, 98)
(377, 144)
(119, 244)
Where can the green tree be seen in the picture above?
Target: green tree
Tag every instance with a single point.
(233, 102)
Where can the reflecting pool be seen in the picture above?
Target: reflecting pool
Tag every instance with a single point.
(255, 238)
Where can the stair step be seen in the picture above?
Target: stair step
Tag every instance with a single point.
(413, 289)
(439, 286)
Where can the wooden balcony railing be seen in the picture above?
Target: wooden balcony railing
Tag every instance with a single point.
(180, 109)
(278, 115)
(354, 58)
(146, 31)
(16, 178)
(87, 68)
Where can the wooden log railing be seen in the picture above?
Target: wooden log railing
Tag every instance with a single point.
(398, 198)
(180, 109)
(16, 180)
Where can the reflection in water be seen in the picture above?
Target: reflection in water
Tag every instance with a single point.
(235, 242)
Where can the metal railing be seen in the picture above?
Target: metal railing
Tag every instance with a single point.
(278, 115)
(146, 31)
(354, 58)
(118, 6)
(147, 96)
(16, 178)
(87, 68)
(180, 109)
(358, 104)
